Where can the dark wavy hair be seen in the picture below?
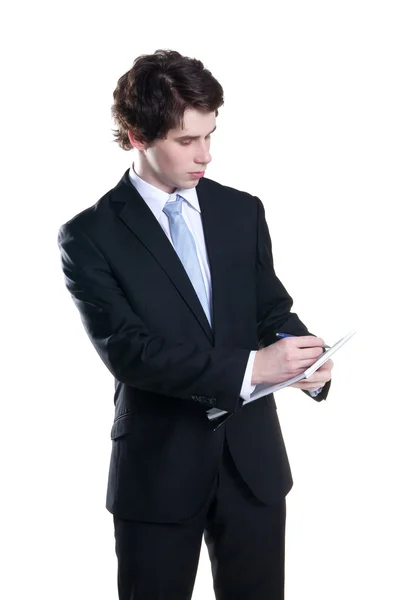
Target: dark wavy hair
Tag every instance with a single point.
(151, 98)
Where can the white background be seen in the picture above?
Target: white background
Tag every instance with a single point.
(311, 125)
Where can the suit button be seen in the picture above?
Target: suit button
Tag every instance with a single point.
(205, 400)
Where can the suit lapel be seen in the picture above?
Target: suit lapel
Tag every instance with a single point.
(213, 217)
(140, 220)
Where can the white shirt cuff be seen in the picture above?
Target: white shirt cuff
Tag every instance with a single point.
(316, 392)
(247, 386)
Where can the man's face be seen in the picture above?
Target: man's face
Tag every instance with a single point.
(178, 160)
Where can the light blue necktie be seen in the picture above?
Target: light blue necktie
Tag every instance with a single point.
(185, 248)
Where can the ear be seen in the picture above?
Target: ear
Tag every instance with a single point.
(135, 142)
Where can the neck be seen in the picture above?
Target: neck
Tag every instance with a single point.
(145, 172)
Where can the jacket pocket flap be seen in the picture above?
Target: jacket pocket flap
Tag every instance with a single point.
(122, 425)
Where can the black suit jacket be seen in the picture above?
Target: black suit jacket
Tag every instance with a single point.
(144, 319)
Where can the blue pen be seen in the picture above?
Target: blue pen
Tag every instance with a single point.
(285, 335)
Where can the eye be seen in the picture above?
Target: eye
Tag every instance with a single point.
(185, 143)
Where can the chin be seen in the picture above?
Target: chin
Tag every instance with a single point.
(184, 185)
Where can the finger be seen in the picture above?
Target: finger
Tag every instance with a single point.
(304, 364)
(326, 367)
(316, 379)
(307, 341)
(310, 387)
(308, 354)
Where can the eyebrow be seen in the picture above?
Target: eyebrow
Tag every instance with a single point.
(194, 137)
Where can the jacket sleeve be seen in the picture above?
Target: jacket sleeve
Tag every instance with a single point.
(133, 354)
(273, 301)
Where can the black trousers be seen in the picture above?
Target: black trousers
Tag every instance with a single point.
(245, 540)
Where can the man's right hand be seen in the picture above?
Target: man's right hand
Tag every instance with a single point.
(286, 358)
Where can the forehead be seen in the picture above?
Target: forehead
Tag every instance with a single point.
(195, 123)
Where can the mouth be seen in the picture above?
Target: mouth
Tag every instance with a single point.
(197, 173)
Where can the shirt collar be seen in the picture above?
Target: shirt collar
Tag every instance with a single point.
(156, 198)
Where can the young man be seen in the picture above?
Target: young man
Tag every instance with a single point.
(173, 276)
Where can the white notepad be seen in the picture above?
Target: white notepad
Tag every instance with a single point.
(270, 389)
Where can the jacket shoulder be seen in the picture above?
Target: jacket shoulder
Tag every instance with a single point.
(232, 194)
(88, 219)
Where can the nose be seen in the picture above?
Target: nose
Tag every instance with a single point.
(203, 156)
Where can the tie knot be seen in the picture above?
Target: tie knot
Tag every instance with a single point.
(173, 209)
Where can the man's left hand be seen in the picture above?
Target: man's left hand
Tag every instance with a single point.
(317, 379)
